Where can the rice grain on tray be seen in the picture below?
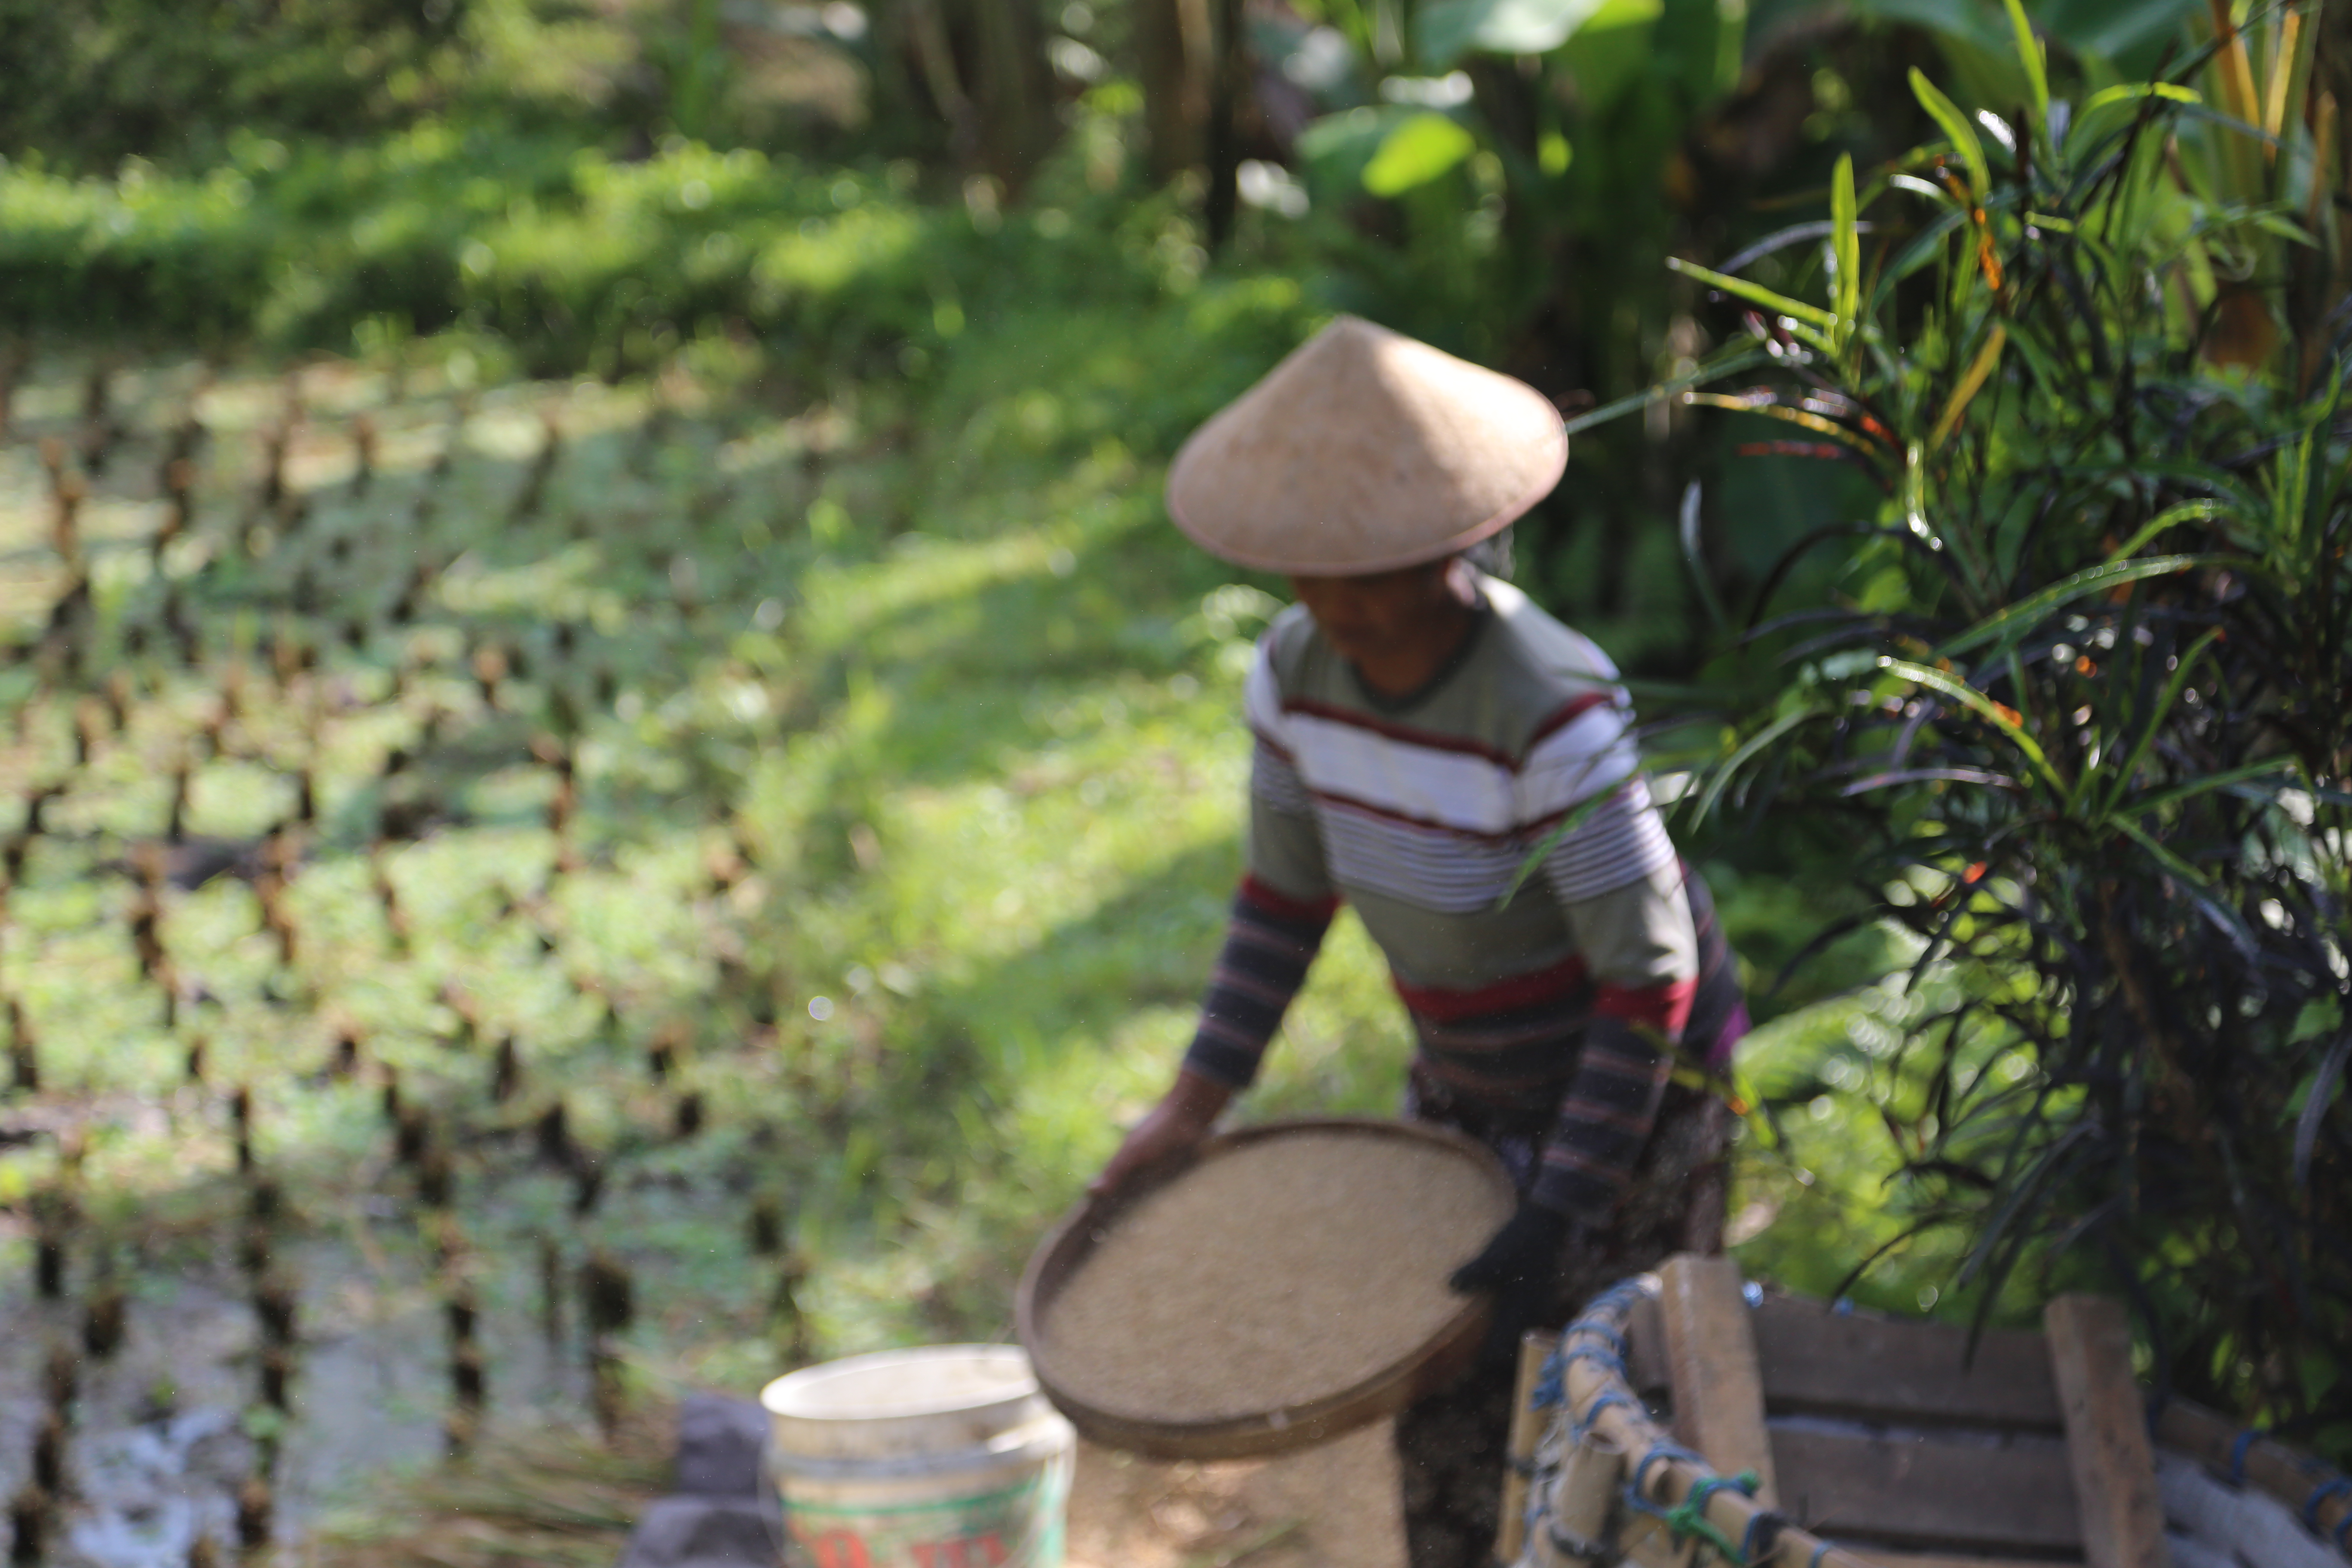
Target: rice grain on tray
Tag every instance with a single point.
(1282, 1271)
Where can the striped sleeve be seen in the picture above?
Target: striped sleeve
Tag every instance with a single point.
(1269, 943)
(1281, 912)
(1604, 1120)
(1620, 840)
(1619, 882)
(1286, 841)
(1643, 950)
(1583, 767)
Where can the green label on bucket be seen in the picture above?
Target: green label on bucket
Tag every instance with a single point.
(1019, 1527)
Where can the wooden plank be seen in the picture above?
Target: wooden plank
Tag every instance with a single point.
(1711, 1363)
(1646, 1351)
(2107, 1433)
(1948, 1496)
(1819, 1363)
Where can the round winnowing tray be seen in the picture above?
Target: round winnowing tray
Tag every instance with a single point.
(1282, 1285)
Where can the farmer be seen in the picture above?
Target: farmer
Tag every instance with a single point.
(1422, 729)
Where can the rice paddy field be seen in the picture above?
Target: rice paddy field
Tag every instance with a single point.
(523, 897)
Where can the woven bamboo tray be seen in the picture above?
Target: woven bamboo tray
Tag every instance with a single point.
(1278, 1429)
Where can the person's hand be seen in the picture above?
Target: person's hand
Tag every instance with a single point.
(1179, 1122)
(1521, 1269)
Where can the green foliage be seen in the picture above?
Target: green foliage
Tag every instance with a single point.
(576, 261)
(93, 82)
(2081, 686)
(1417, 151)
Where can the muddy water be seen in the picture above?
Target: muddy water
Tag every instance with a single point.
(165, 1433)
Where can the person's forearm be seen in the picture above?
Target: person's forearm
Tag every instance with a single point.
(1194, 1100)
(1269, 944)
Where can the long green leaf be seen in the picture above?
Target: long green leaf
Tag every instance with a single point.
(1813, 422)
(2024, 615)
(2315, 1108)
(1577, 817)
(1845, 244)
(2028, 53)
(1722, 776)
(2200, 889)
(1754, 293)
(1980, 370)
(2170, 695)
(1963, 135)
(1730, 365)
(2172, 517)
(1984, 707)
(2020, 1190)
(2145, 804)
(1919, 252)
(2134, 91)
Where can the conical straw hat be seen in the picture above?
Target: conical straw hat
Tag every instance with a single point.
(1363, 451)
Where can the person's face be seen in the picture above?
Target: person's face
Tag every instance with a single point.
(1364, 618)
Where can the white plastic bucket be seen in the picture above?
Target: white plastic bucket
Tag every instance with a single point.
(943, 1457)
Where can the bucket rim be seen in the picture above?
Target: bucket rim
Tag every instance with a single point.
(781, 1397)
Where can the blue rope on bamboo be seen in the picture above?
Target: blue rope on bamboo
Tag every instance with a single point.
(1616, 1397)
(1591, 1326)
(2237, 1446)
(2337, 1487)
(1601, 1356)
(2343, 1538)
(1762, 1535)
(1614, 1301)
(1551, 1383)
(1823, 1550)
(1688, 1517)
(1668, 1451)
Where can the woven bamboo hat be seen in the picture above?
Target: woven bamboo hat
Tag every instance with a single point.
(1364, 452)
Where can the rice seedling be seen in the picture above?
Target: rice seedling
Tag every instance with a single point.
(30, 1514)
(277, 1306)
(588, 1170)
(61, 1378)
(48, 1465)
(255, 1513)
(765, 1232)
(506, 1070)
(105, 1320)
(256, 1248)
(240, 1116)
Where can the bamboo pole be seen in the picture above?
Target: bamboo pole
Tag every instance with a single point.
(1581, 1496)
(1526, 1427)
(1670, 1482)
(2215, 1442)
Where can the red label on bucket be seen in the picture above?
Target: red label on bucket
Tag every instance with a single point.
(832, 1548)
(986, 1550)
(1020, 1526)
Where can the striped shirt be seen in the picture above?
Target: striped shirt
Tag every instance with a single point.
(1553, 1009)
